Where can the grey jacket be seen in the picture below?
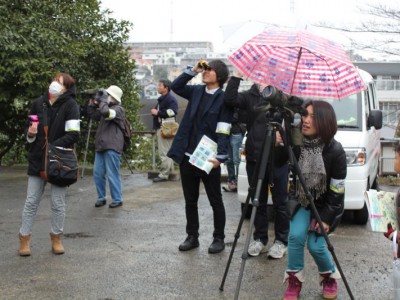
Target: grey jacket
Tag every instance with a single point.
(109, 136)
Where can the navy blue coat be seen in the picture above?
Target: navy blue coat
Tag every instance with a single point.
(216, 114)
(167, 107)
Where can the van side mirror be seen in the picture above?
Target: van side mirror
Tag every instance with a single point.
(375, 119)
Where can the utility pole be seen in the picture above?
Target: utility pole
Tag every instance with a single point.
(171, 37)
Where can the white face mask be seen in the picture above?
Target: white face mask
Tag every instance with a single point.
(55, 89)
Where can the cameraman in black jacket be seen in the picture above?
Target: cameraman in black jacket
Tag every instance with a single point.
(250, 100)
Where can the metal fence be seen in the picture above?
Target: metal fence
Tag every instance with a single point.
(138, 132)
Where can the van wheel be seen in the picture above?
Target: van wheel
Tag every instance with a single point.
(248, 212)
(361, 216)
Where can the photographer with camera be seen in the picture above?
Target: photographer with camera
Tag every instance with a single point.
(106, 108)
(207, 115)
(252, 102)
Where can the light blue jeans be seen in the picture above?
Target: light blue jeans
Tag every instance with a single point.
(106, 166)
(34, 194)
(232, 165)
(298, 234)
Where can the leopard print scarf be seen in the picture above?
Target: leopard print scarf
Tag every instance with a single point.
(312, 168)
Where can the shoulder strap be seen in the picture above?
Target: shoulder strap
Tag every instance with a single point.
(122, 120)
(44, 121)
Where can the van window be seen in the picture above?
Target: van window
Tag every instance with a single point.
(348, 112)
(366, 103)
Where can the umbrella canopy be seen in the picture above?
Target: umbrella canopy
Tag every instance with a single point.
(299, 63)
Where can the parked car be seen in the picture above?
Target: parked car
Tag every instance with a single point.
(359, 122)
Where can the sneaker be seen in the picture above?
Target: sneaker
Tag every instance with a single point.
(294, 288)
(159, 179)
(278, 250)
(232, 186)
(100, 203)
(115, 204)
(329, 287)
(256, 248)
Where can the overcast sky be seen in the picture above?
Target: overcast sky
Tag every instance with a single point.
(218, 21)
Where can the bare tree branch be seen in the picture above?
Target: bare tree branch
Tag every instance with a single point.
(383, 24)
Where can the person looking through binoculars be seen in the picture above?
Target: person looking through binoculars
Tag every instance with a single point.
(250, 101)
(207, 115)
(105, 107)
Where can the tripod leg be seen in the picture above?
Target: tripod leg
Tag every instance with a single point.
(245, 253)
(86, 148)
(239, 228)
(127, 162)
(265, 155)
(237, 235)
(317, 217)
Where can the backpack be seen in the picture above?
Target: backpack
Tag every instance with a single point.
(126, 129)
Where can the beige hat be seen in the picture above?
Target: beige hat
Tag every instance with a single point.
(115, 92)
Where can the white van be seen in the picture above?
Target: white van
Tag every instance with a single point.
(359, 123)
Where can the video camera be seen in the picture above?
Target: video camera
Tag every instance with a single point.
(100, 95)
(91, 97)
(95, 94)
(279, 99)
(282, 106)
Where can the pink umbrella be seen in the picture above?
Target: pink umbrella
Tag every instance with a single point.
(299, 63)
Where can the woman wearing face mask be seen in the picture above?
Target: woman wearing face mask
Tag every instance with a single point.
(64, 126)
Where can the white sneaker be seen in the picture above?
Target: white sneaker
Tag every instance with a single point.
(278, 250)
(256, 248)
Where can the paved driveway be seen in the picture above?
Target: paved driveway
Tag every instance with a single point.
(131, 252)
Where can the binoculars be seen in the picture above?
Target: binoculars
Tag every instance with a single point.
(203, 65)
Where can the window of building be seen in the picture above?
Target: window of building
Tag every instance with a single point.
(390, 112)
(388, 83)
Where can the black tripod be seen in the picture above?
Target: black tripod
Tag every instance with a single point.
(256, 182)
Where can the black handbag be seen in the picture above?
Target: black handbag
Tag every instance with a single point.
(60, 164)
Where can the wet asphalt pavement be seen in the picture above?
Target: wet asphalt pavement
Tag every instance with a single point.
(131, 252)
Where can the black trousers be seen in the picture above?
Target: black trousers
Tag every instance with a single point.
(190, 178)
(279, 190)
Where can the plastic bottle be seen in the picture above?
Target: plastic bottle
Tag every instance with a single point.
(34, 120)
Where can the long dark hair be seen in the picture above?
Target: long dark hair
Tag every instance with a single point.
(324, 119)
